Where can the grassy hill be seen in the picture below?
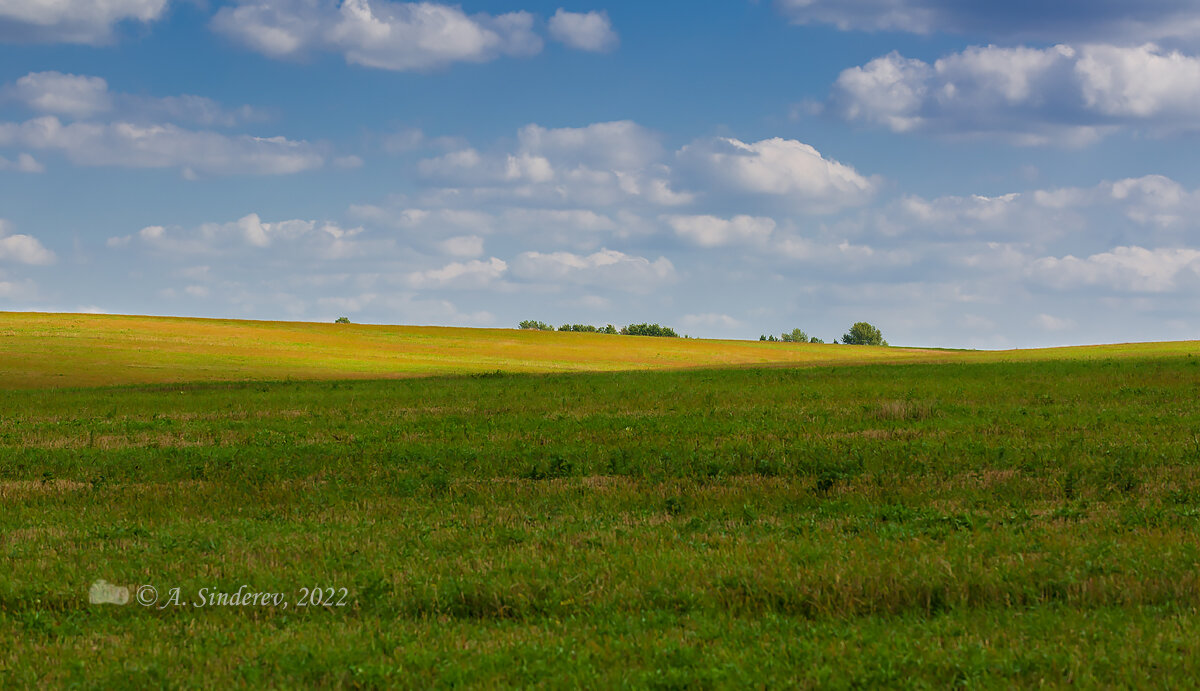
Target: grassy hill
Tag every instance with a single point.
(57, 350)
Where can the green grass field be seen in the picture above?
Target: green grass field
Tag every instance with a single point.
(728, 515)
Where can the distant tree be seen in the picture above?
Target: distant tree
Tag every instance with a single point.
(863, 333)
(762, 338)
(342, 320)
(814, 339)
(532, 325)
(649, 330)
(610, 329)
(796, 336)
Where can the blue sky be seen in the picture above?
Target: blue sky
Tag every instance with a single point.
(959, 174)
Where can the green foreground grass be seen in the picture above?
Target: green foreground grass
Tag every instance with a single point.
(924, 525)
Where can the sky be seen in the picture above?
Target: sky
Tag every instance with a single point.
(981, 175)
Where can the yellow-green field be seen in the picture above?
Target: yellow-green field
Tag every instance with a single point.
(65, 350)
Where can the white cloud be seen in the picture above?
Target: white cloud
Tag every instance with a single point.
(891, 91)
(1154, 202)
(62, 94)
(186, 108)
(1032, 96)
(712, 231)
(656, 191)
(591, 31)
(462, 246)
(378, 33)
(1005, 217)
(260, 234)
(844, 254)
(1141, 82)
(457, 166)
(607, 268)
(1132, 269)
(430, 222)
(25, 163)
(325, 240)
(81, 96)
(619, 145)
(1084, 20)
(473, 274)
(527, 168)
(599, 164)
(162, 146)
(781, 168)
(23, 249)
(72, 21)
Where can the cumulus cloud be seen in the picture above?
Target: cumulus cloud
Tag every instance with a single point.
(619, 145)
(72, 21)
(162, 146)
(82, 96)
(327, 239)
(608, 268)
(1083, 20)
(783, 168)
(1158, 206)
(23, 249)
(598, 164)
(382, 34)
(590, 31)
(712, 231)
(1060, 94)
(25, 163)
(64, 94)
(612, 163)
(473, 274)
(1132, 269)
(1000, 218)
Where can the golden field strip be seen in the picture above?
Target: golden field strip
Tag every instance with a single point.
(78, 350)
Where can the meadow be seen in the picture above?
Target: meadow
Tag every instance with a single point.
(821, 516)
